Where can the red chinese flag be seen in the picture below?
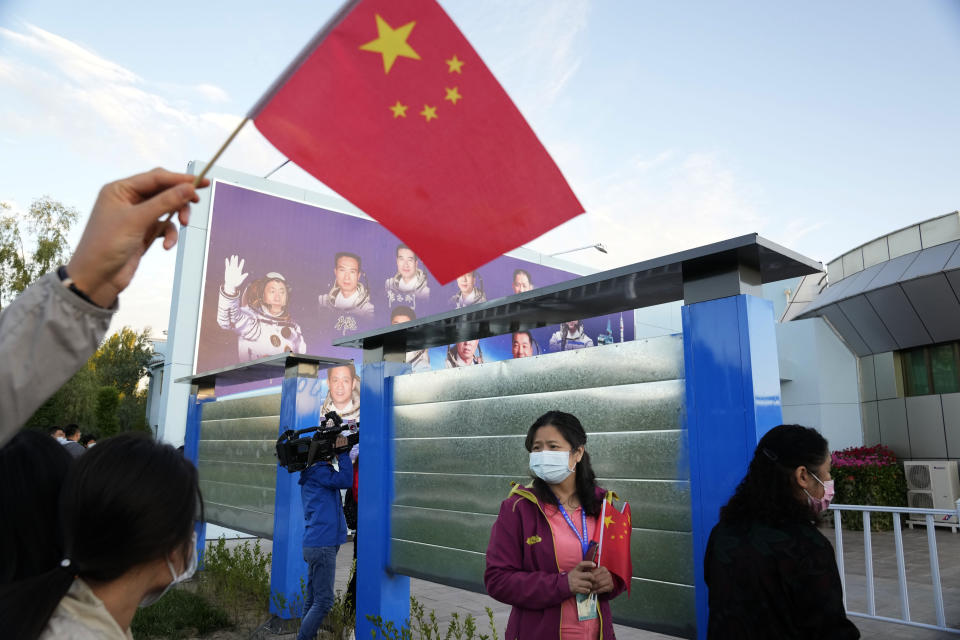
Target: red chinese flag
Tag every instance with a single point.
(391, 107)
(614, 550)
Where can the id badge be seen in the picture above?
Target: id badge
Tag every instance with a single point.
(586, 606)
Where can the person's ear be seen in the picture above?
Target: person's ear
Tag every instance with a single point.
(801, 476)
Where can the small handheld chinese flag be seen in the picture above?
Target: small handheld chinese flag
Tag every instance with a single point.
(391, 107)
(613, 548)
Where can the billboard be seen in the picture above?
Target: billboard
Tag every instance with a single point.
(284, 275)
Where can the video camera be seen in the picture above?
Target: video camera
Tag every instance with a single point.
(296, 452)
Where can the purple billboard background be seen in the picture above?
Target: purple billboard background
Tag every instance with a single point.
(299, 241)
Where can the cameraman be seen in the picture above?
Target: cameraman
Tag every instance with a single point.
(325, 531)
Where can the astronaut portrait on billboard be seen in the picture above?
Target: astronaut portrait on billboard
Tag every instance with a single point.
(409, 285)
(347, 303)
(418, 360)
(522, 281)
(343, 394)
(464, 354)
(570, 336)
(259, 314)
(524, 345)
(469, 290)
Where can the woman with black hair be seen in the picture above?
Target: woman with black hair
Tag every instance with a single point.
(539, 556)
(769, 571)
(33, 467)
(127, 513)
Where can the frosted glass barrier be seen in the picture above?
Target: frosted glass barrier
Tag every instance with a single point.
(460, 442)
(237, 462)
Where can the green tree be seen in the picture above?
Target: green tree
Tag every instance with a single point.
(122, 359)
(32, 243)
(108, 401)
(105, 396)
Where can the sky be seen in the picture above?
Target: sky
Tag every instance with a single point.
(819, 125)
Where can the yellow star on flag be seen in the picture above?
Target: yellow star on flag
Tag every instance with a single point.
(430, 113)
(453, 95)
(391, 43)
(608, 521)
(399, 110)
(454, 65)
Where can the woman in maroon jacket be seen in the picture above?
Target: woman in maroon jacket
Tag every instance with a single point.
(538, 556)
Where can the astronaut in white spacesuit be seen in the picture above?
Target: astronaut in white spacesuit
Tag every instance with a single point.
(259, 316)
(348, 301)
(409, 285)
(418, 360)
(470, 291)
(571, 336)
(343, 395)
(464, 354)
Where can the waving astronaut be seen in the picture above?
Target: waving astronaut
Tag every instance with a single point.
(259, 316)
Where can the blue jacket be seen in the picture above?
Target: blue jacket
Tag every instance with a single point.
(322, 510)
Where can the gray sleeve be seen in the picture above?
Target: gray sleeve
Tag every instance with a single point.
(46, 334)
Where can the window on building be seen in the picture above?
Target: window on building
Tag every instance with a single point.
(932, 369)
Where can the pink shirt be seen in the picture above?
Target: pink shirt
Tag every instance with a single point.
(569, 555)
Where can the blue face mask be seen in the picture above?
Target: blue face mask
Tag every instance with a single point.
(550, 466)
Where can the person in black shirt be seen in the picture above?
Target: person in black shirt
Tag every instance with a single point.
(770, 573)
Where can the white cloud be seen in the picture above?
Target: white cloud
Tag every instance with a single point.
(63, 91)
(212, 93)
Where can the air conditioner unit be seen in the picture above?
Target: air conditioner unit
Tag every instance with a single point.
(932, 484)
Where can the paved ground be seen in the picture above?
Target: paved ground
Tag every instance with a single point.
(446, 600)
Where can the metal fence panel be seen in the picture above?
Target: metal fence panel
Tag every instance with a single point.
(459, 438)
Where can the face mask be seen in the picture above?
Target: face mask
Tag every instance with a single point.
(822, 504)
(550, 466)
(150, 598)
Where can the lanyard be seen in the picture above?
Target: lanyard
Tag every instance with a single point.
(584, 543)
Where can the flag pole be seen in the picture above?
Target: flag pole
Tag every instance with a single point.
(196, 181)
(603, 513)
(216, 156)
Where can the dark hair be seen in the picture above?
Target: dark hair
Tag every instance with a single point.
(767, 493)
(253, 294)
(572, 431)
(517, 272)
(346, 254)
(349, 365)
(32, 470)
(71, 430)
(87, 438)
(126, 502)
(403, 246)
(402, 311)
(53, 429)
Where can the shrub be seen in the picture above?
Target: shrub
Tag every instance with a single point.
(423, 626)
(238, 578)
(868, 476)
(178, 614)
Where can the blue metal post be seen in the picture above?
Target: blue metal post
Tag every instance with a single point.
(288, 567)
(379, 592)
(191, 451)
(733, 398)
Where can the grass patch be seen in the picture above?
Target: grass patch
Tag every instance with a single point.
(178, 614)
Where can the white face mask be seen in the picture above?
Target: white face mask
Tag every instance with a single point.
(150, 598)
(551, 466)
